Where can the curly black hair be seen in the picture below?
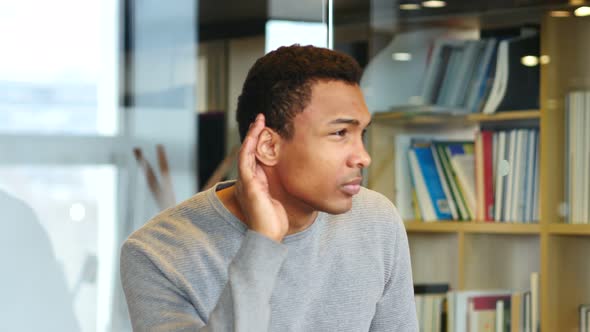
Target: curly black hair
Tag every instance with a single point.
(279, 84)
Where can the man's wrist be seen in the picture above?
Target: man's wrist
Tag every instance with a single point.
(271, 235)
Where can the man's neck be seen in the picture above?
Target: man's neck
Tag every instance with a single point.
(298, 219)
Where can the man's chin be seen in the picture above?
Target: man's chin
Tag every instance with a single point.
(337, 209)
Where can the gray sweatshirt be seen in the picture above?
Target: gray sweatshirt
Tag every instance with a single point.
(196, 267)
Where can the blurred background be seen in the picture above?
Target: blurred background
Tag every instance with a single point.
(82, 84)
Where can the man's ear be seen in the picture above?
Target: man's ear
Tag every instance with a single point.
(268, 146)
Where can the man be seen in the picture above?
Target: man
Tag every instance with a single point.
(295, 244)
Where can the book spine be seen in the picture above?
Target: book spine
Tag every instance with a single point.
(424, 201)
(488, 166)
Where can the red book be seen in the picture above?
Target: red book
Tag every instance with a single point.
(484, 177)
(482, 312)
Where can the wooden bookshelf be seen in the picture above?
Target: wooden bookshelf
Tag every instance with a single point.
(450, 226)
(568, 229)
(479, 255)
(505, 116)
(471, 227)
(415, 117)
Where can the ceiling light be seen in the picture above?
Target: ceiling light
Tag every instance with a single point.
(529, 60)
(400, 56)
(434, 4)
(409, 6)
(582, 11)
(560, 13)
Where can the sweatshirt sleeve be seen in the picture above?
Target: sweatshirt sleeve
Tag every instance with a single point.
(396, 311)
(156, 304)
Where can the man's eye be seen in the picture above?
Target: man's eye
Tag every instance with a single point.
(340, 132)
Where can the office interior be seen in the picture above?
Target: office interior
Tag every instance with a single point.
(113, 110)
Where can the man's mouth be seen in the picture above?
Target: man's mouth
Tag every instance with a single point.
(352, 187)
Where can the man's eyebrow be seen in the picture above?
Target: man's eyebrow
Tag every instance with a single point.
(347, 121)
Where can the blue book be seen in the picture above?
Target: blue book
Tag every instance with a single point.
(484, 76)
(456, 149)
(433, 182)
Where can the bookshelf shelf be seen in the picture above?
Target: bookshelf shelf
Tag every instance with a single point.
(505, 116)
(471, 227)
(418, 118)
(501, 228)
(432, 227)
(569, 229)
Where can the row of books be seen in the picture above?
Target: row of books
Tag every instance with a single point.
(577, 157)
(500, 73)
(477, 310)
(494, 179)
(516, 186)
(443, 179)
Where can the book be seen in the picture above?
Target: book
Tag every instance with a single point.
(431, 288)
(500, 323)
(484, 175)
(534, 302)
(488, 173)
(451, 77)
(516, 86)
(479, 178)
(527, 312)
(500, 178)
(522, 82)
(430, 311)
(459, 307)
(575, 114)
(423, 197)
(499, 84)
(470, 56)
(445, 183)
(528, 194)
(518, 208)
(463, 163)
(483, 313)
(584, 322)
(431, 196)
(510, 178)
(388, 83)
(536, 183)
(459, 73)
(482, 76)
(516, 312)
(451, 179)
(434, 72)
(403, 183)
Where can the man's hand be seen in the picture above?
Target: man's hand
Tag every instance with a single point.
(263, 213)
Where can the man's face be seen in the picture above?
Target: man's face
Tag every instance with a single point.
(319, 168)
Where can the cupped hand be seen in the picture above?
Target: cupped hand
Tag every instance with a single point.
(263, 213)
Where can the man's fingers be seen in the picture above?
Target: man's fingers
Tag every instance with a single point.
(256, 127)
(247, 156)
